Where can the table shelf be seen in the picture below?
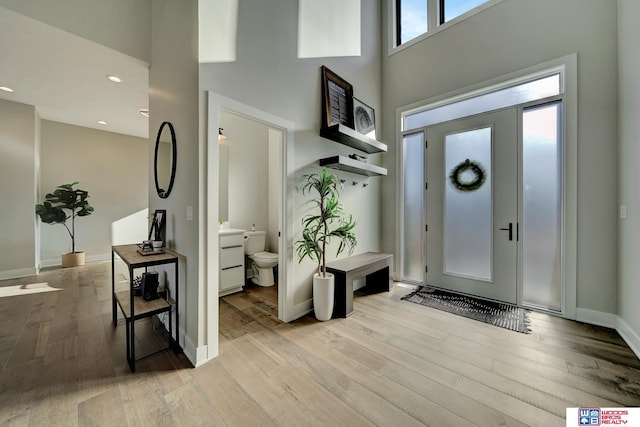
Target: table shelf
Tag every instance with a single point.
(141, 308)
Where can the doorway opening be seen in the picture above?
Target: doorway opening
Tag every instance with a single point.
(247, 191)
(250, 194)
(512, 237)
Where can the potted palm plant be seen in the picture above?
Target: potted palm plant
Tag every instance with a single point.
(66, 203)
(326, 224)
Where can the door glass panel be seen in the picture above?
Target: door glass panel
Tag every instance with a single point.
(468, 224)
(542, 207)
(413, 194)
(508, 97)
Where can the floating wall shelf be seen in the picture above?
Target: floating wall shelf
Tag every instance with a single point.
(347, 136)
(354, 166)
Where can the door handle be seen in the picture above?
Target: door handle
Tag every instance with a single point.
(510, 230)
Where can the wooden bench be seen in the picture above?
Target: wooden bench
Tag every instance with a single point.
(372, 265)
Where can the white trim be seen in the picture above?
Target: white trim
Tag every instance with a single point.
(568, 66)
(57, 262)
(197, 356)
(530, 74)
(286, 309)
(16, 274)
(302, 309)
(630, 336)
(593, 317)
(432, 19)
(612, 321)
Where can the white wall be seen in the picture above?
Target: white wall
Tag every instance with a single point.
(248, 186)
(122, 25)
(505, 38)
(629, 176)
(173, 97)
(18, 160)
(131, 229)
(112, 167)
(267, 75)
(253, 174)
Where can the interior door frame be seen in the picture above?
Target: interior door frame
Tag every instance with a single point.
(567, 66)
(286, 266)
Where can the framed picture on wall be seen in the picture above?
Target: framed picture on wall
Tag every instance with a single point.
(364, 118)
(337, 100)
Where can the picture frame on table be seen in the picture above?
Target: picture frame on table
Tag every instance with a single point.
(158, 222)
(337, 100)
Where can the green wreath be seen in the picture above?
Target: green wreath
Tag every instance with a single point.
(478, 171)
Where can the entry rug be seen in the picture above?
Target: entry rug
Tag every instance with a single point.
(504, 315)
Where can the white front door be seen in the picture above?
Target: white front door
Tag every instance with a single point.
(471, 170)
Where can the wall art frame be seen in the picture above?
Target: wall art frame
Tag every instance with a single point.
(364, 118)
(337, 100)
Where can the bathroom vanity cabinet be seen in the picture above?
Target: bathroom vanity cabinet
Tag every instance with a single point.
(231, 261)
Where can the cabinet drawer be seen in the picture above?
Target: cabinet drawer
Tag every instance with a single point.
(231, 278)
(231, 257)
(227, 240)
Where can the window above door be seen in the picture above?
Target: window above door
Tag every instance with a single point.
(415, 20)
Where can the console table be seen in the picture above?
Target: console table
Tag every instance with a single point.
(134, 307)
(372, 265)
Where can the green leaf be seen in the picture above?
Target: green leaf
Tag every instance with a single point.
(318, 228)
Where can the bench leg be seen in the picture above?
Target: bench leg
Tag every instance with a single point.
(379, 281)
(343, 296)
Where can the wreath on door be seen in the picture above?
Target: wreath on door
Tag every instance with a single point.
(478, 172)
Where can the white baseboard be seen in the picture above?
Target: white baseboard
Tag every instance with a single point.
(300, 310)
(98, 258)
(57, 262)
(198, 356)
(612, 321)
(630, 336)
(16, 274)
(598, 318)
(190, 350)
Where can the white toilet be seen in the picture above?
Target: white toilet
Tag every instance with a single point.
(263, 262)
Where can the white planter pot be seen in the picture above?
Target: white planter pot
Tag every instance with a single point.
(323, 290)
(72, 259)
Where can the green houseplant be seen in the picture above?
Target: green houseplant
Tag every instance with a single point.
(66, 202)
(326, 224)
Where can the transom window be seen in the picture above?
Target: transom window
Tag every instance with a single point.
(414, 18)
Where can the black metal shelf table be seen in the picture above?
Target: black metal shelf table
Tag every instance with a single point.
(134, 307)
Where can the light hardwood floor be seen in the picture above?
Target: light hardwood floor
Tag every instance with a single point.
(392, 363)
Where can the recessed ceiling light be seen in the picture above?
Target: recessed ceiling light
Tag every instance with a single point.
(114, 79)
(102, 122)
(6, 89)
(144, 112)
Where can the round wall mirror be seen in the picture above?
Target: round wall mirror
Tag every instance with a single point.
(165, 159)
